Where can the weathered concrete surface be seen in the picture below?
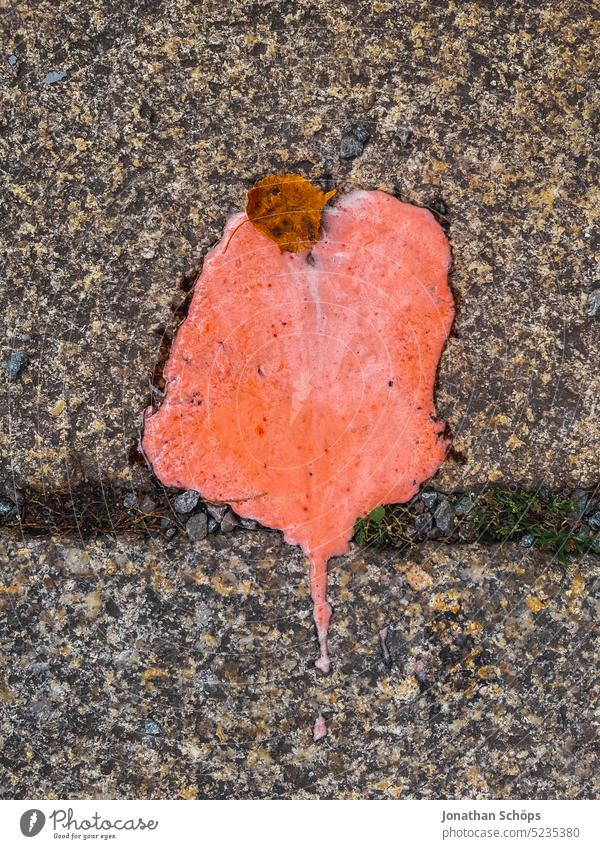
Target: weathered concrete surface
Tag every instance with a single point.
(187, 672)
(118, 176)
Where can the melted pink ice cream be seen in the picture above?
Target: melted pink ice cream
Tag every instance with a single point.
(300, 387)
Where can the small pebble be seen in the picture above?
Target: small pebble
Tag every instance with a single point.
(250, 524)
(197, 527)
(593, 309)
(464, 506)
(217, 511)
(403, 134)
(424, 523)
(527, 540)
(429, 499)
(152, 728)
(15, 364)
(213, 525)
(54, 77)
(36, 667)
(129, 500)
(581, 498)
(8, 509)
(353, 143)
(229, 522)
(594, 521)
(12, 60)
(186, 501)
(444, 517)
(148, 505)
(361, 134)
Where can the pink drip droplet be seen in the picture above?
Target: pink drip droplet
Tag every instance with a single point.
(320, 728)
(321, 609)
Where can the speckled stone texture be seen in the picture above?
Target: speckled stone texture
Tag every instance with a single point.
(130, 132)
(187, 673)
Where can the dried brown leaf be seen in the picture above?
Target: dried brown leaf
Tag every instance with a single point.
(287, 209)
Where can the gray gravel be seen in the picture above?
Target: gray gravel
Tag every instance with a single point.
(217, 511)
(229, 522)
(429, 499)
(186, 502)
(444, 517)
(197, 526)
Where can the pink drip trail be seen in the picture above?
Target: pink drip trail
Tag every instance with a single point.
(321, 607)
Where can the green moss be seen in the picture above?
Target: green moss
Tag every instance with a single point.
(551, 524)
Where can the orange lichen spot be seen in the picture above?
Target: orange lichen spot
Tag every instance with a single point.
(154, 672)
(418, 579)
(535, 604)
(446, 602)
(287, 209)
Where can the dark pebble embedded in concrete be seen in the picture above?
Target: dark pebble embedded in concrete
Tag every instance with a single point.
(15, 364)
(54, 77)
(593, 304)
(403, 135)
(353, 143)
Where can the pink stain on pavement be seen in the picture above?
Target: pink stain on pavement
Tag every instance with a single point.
(300, 387)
